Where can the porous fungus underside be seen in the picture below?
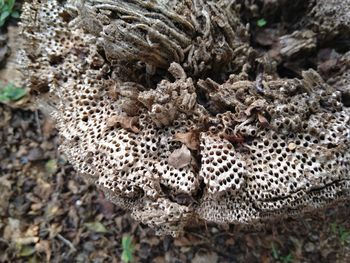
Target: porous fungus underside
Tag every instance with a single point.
(154, 104)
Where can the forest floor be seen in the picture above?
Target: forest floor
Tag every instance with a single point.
(49, 214)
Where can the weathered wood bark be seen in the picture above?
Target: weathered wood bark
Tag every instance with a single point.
(155, 103)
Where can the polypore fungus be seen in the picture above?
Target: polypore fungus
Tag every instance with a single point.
(186, 147)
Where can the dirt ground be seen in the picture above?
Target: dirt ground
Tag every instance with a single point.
(49, 214)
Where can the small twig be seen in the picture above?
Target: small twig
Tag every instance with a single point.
(38, 123)
(67, 242)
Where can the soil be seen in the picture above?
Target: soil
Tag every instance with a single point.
(49, 214)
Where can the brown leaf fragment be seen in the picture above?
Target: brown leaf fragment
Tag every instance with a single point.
(44, 246)
(73, 187)
(263, 121)
(54, 229)
(255, 106)
(48, 127)
(131, 107)
(159, 259)
(106, 207)
(234, 138)
(202, 257)
(190, 139)
(128, 123)
(265, 257)
(4, 181)
(27, 240)
(180, 158)
(188, 241)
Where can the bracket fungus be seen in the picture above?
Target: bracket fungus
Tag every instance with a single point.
(155, 104)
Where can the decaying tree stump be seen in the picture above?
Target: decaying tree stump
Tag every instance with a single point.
(159, 104)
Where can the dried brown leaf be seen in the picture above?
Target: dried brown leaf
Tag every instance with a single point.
(32, 230)
(180, 158)
(265, 257)
(159, 259)
(54, 230)
(128, 123)
(26, 240)
(44, 246)
(48, 127)
(43, 189)
(153, 241)
(4, 181)
(190, 139)
(73, 187)
(12, 230)
(36, 206)
(263, 121)
(234, 138)
(106, 207)
(230, 242)
(210, 257)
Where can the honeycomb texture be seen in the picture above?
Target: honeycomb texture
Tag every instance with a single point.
(330, 18)
(187, 148)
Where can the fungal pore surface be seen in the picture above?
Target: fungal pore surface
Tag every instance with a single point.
(155, 103)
